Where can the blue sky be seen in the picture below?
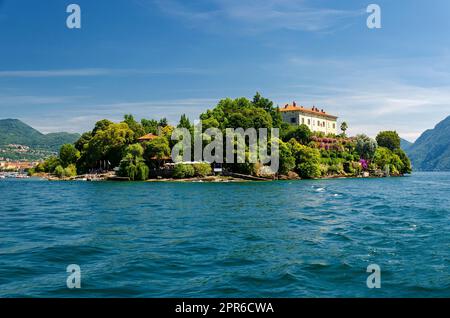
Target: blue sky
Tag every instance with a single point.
(156, 58)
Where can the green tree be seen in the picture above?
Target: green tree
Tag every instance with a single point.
(101, 125)
(136, 127)
(70, 170)
(157, 149)
(344, 128)
(108, 144)
(365, 146)
(388, 139)
(307, 160)
(238, 113)
(182, 171)
(405, 160)
(267, 105)
(68, 154)
(300, 133)
(133, 165)
(163, 122)
(150, 126)
(385, 159)
(287, 160)
(82, 142)
(184, 122)
(50, 164)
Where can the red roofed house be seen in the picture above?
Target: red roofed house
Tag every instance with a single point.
(147, 137)
(316, 119)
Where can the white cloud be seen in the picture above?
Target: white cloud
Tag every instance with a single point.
(83, 117)
(372, 94)
(88, 72)
(256, 16)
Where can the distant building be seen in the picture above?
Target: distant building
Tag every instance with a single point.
(316, 119)
(148, 137)
(16, 165)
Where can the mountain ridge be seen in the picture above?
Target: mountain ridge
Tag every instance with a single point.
(431, 151)
(14, 131)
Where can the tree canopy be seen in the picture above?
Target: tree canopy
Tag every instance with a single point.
(388, 139)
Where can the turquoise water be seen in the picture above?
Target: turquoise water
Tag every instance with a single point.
(278, 239)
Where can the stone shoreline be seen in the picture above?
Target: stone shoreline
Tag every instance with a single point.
(112, 177)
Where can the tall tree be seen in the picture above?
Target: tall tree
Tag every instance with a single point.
(344, 127)
(388, 139)
(365, 147)
(136, 127)
(184, 122)
(163, 122)
(68, 154)
(150, 126)
(267, 105)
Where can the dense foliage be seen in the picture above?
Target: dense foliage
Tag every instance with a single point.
(133, 165)
(388, 139)
(301, 152)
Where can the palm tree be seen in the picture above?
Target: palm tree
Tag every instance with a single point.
(344, 128)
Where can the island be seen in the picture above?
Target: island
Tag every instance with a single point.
(309, 146)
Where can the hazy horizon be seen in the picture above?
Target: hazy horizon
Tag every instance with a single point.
(159, 59)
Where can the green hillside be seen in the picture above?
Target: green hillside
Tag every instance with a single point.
(14, 131)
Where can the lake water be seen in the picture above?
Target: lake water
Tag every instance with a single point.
(275, 239)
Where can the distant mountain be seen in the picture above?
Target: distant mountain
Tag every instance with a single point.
(432, 150)
(14, 131)
(405, 144)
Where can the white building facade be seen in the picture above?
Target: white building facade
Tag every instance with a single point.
(316, 119)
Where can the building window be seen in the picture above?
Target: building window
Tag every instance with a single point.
(292, 120)
(303, 120)
(309, 121)
(334, 126)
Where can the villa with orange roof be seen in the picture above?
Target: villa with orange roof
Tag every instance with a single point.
(316, 119)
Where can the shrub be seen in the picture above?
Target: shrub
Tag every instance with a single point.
(323, 169)
(336, 169)
(248, 168)
(70, 171)
(31, 172)
(309, 170)
(202, 169)
(307, 159)
(286, 159)
(50, 164)
(59, 171)
(183, 171)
